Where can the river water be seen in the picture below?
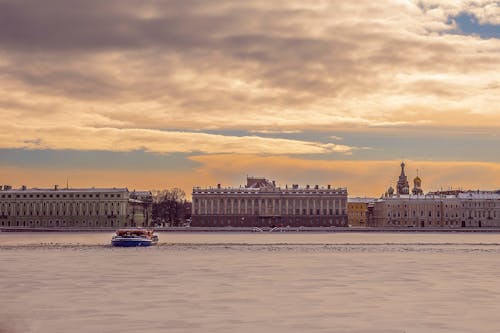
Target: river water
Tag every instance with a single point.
(262, 282)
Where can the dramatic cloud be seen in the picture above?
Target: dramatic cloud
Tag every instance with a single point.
(247, 77)
(156, 141)
(486, 11)
(257, 65)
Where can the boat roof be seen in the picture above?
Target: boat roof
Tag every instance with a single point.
(134, 231)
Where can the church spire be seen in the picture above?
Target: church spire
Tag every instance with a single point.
(403, 185)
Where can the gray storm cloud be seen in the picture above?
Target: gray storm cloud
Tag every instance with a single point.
(256, 66)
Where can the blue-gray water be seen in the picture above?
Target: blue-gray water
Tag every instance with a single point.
(75, 282)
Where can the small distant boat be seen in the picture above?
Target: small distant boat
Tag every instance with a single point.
(134, 237)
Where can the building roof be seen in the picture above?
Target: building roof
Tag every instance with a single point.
(141, 192)
(479, 195)
(64, 190)
(360, 200)
(463, 195)
(289, 190)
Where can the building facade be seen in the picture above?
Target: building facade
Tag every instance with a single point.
(441, 209)
(46, 208)
(140, 209)
(463, 210)
(357, 211)
(263, 204)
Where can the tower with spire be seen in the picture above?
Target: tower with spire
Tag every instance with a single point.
(403, 185)
(417, 186)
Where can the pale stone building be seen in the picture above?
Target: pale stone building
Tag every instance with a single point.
(466, 209)
(46, 208)
(140, 208)
(261, 203)
(448, 209)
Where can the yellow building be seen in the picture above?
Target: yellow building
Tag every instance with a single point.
(357, 209)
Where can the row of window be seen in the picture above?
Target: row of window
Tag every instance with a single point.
(242, 222)
(469, 204)
(484, 214)
(58, 223)
(59, 196)
(453, 223)
(363, 213)
(58, 208)
(266, 203)
(422, 223)
(257, 212)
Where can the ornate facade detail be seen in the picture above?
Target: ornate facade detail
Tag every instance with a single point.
(417, 186)
(403, 187)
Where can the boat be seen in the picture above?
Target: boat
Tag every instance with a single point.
(134, 237)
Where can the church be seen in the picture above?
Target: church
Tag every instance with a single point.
(460, 209)
(404, 188)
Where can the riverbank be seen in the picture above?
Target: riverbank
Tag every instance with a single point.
(255, 229)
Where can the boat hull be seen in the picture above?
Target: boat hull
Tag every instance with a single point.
(129, 242)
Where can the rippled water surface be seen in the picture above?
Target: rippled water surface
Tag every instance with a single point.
(76, 282)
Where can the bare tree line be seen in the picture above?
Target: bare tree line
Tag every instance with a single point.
(170, 207)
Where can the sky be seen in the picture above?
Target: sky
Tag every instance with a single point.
(183, 93)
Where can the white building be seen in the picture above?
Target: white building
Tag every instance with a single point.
(261, 203)
(466, 209)
(89, 207)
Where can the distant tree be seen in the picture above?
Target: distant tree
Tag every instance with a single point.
(169, 206)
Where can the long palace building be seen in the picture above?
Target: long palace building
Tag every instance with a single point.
(90, 207)
(448, 209)
(462, 210)
(261, 203)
